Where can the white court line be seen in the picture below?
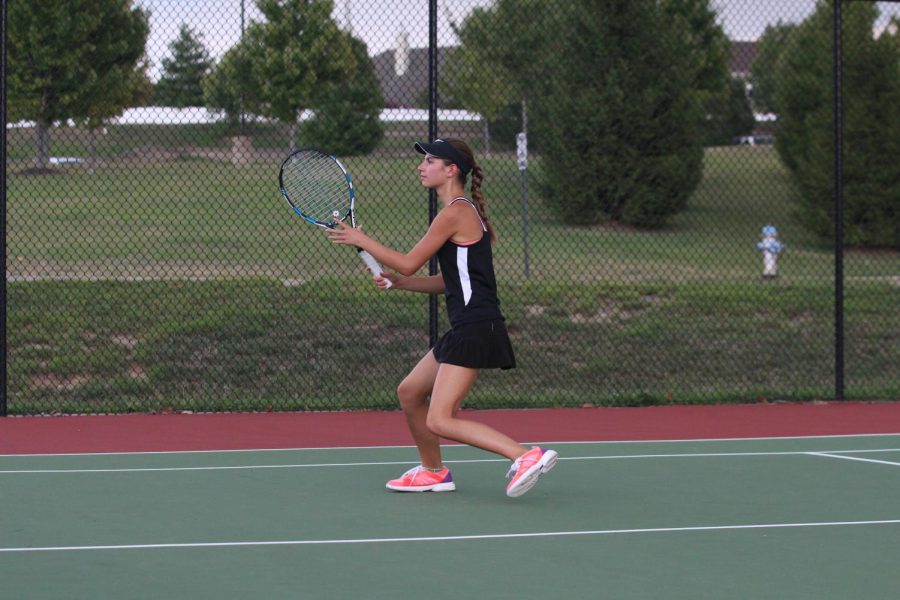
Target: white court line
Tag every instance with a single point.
(455, 445)
(448, 538)
(469, 461)
(871, 460)
(226, 468)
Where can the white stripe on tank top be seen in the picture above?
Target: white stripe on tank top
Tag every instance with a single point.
(462, 256)
(462, 266)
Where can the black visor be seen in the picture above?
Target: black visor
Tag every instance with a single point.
(442, 149)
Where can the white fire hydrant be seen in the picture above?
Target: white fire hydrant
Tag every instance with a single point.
(770, 248)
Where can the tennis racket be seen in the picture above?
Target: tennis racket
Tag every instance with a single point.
(319, 189)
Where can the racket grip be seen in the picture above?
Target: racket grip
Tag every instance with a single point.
(373, 265)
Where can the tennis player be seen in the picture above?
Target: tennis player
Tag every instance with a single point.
(461, 236)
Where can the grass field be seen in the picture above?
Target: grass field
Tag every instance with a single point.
(188, 284)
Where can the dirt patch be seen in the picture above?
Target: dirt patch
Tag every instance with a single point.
(60, 383)
(126, 341)
(137, 372)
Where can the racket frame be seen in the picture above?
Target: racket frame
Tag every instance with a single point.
(367, 258)
(351, 192)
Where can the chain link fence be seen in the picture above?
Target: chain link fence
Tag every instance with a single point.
(663, 202)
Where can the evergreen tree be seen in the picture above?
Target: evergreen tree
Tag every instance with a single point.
(704, 43)
(73, 59)
(728, 117)
(621, 124)
(181, 83)
(762, 71)
(871, 133)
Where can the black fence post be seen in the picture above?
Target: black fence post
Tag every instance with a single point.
(432, 133)
(838, 207)
(3, 374)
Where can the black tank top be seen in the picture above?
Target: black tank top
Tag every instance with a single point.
(468, 271)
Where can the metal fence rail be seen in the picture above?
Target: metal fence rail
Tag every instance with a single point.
(151, 264)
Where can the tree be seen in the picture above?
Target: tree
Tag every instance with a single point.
(295, 53)
(508, 55)
(471, 78)
(871, 133)
(770, 46)
(704, 43)
(347, 112)
(707, 49)
(621, 124)
(181, 83)
(892, 31)
(728, 117)
(232, 85)
(72, 59)
(106, 99)
(615, 91)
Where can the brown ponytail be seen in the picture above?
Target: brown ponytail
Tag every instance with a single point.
(477, 178)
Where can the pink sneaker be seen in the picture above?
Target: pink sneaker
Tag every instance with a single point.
(527, 468)
(420, 479)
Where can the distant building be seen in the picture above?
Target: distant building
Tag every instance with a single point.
(403, 74)
(741, 61)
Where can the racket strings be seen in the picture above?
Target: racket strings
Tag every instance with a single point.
(317, 186)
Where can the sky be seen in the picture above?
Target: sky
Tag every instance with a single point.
(380, 22)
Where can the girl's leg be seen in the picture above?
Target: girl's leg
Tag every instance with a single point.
(413, 393)
(450, 387)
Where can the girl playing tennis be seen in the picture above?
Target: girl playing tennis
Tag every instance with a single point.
(461, 237)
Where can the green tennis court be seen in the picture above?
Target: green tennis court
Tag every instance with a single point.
(763, 518)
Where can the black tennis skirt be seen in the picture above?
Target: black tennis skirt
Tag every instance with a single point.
(481, 345)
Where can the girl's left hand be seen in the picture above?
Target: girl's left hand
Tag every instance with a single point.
(387, 281)
(344, 234)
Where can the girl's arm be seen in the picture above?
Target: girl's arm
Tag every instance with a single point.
(442, 229)
(433, 284)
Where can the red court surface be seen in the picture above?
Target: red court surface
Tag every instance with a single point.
(239, 431)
